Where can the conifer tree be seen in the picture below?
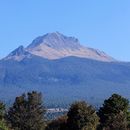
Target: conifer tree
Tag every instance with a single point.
(2, 115)
(27, 112)
(82, 116)
(113, 114)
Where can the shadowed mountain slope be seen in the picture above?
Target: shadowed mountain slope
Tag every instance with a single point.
(66, 79)
(64, 70)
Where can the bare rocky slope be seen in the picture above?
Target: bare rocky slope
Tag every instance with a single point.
(56, 46)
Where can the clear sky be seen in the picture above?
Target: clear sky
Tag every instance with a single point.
(101, 24)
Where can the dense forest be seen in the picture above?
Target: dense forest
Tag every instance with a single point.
(28, 113)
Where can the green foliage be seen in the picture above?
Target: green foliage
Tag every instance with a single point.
(2, 114)
(27, 112)
(3, 126)
(2, 110)
(113, 114)
(58, 124)
(128, 117)
(82, 116)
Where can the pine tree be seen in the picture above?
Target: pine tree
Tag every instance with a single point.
(113, 114)
(82, 116)
(2, 110)
(128, 117)
(2, 115)
(27, 112)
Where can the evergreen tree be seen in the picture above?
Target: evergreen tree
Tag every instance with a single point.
(27, 112)
(82, 116)
(2, 115)
(113, 114)
(128, 117)
(2, 110)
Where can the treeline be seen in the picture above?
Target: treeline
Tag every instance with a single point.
(28, 113)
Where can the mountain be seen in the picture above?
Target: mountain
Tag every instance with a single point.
(56, 45)
(18, 54)
(62, 79)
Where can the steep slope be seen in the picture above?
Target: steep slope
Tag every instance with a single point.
(18, 54)
(56, 46)
(64, 70)
(64, 80)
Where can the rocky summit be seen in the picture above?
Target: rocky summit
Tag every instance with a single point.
(55, 46)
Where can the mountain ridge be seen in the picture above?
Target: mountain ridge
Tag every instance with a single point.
(65, 79)
(56, 45)
(18, 54)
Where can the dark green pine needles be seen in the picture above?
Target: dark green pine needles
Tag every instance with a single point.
(27, 112)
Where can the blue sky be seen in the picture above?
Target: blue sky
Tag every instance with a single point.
(101, 24)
